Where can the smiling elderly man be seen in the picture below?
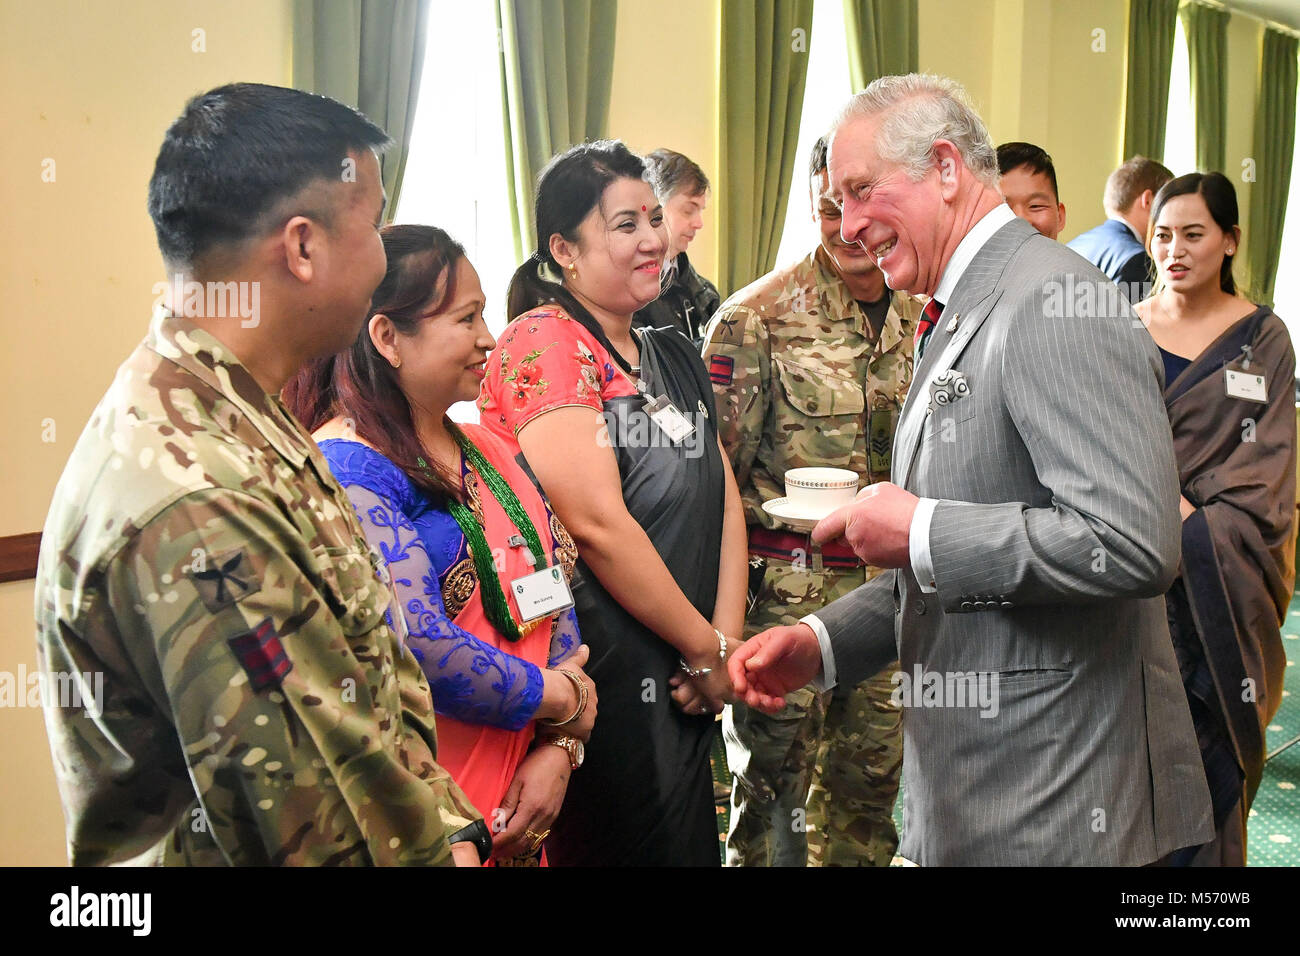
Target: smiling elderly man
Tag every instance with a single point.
(1032, 520)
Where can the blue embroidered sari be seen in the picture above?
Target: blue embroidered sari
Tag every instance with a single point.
(427, 557)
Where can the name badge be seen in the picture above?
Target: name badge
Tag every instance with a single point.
(670, 421)
(1246, 385)
(541, 593)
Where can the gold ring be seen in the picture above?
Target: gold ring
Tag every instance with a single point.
(537, 839)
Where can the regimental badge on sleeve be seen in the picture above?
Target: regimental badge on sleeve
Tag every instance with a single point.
(223, 580)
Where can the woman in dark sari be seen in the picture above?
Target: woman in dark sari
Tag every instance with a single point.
(618, 428)
(1229, 390)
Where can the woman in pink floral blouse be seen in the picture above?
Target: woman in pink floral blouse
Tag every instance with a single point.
(617, 426)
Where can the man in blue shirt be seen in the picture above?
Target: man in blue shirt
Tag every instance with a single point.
(1118, 246)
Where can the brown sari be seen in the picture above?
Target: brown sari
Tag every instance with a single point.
(1237, 465)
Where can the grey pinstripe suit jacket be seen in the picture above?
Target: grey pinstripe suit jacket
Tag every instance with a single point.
(1056, 535)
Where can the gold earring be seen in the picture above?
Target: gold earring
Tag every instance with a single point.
(573, 270)
(396, 363)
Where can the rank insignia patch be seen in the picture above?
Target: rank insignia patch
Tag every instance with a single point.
(262, 656)
(721, 369)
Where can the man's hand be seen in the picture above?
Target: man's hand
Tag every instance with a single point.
(771, 664)
(533, 801)
(465, 853)
(877, 525)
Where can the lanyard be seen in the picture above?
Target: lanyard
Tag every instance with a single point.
(495, 604)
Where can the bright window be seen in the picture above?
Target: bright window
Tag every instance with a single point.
(455, 170)
(1180, 122)
(826, 91)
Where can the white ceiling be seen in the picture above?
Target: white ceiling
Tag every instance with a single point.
(1286, 12)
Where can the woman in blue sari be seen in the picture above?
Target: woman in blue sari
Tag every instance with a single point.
(459, 525)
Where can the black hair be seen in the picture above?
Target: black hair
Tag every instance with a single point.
(1014, 155)
(359, 382)
(817, 161)
(236, 153)
(568, 189)
(1220, 198)
(669, 173)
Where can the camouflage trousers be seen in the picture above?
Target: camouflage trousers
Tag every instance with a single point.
(815, 784)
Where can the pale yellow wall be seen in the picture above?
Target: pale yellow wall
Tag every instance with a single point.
(665, 92)
(1085, 125)
(93, 86)
(956, 40)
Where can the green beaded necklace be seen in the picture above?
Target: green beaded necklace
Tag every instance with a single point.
(495, 604)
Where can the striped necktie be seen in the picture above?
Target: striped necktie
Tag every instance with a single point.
(925, 325)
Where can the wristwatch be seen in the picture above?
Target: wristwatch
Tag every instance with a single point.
(572, 746)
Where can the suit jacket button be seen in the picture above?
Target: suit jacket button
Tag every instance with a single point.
(919, 606)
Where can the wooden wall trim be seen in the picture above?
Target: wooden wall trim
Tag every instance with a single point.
(18, 553)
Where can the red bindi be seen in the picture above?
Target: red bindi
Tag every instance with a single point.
(643, 208)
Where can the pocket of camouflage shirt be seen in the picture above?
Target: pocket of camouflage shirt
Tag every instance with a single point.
(355, 595)
(833, 406)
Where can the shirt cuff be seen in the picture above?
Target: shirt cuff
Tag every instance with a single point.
(825, 680)
(918, 544)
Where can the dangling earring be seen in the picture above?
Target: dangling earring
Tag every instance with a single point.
(573, 270)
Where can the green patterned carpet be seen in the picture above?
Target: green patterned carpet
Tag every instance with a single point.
(1273, 833)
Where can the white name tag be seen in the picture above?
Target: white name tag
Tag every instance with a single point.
(542, 592)
(670, 421)
(1246, 385)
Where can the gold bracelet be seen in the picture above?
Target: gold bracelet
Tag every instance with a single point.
(582, 697)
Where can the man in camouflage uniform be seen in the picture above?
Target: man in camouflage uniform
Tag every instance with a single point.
(257, 707)
(810, 365)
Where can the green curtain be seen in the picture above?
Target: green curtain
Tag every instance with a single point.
(557, 69)
(882, 37)
(764, 65)
(1274, 150)
(1151, 25)
(1207, 41)
(368, 54)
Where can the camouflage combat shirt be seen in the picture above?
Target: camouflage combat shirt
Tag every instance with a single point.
(801, 380)
(256, 707)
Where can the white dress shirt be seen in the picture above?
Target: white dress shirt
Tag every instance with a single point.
(918, 535)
